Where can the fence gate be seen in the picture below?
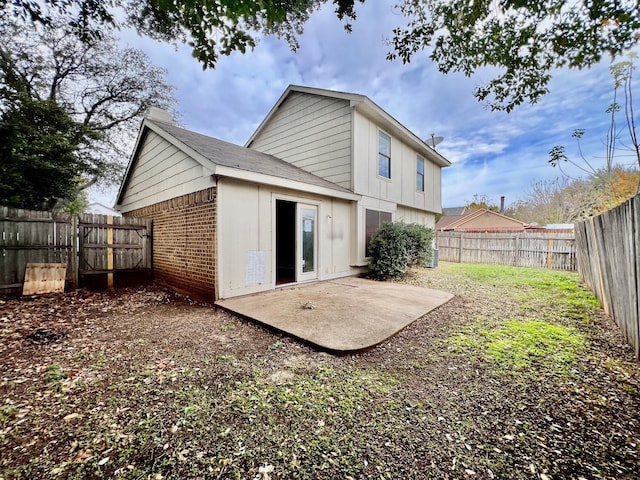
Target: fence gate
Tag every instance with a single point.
(113, 251)
(99, 251)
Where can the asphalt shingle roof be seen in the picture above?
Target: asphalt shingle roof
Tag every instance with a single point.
(450, 211)
(227, 154)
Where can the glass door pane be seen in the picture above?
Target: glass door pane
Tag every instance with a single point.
(307, 241)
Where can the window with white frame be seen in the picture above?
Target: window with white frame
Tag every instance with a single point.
(384, 155)
(420, 174)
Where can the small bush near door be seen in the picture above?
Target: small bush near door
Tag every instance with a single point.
(396, 246)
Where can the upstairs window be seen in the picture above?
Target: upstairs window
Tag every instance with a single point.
(420, 174)
(384, 155)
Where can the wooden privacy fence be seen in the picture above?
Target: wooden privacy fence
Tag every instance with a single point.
(607, 251)
(100, 251)
(523, 249)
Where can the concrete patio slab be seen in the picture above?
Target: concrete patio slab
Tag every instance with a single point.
(344, 315)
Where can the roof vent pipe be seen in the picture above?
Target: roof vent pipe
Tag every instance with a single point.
(502, 204)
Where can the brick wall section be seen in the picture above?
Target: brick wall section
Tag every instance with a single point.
(184, 242)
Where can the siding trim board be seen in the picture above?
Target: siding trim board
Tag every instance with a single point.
(284, 183)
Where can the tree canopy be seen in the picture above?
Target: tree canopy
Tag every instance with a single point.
(567, 200)
(523, 39)
(481, 201)
(520, 42)
(39, 164)
(594, 187)
(211, 27)
(621, 142)
(68, 109)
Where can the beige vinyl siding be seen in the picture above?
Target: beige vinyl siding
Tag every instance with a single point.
(312, 133)
(161, 172)
(246, 223)
(412, 215)
(429, 199)
(401, 187)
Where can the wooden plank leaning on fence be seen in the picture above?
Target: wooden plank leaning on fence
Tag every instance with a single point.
(91, 246)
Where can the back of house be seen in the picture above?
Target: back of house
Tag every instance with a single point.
(297, 203)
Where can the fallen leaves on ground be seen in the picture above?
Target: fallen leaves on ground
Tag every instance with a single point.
(143, 383)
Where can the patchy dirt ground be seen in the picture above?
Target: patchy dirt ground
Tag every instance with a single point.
(142, 383)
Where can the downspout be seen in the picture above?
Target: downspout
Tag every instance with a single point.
(355, 217)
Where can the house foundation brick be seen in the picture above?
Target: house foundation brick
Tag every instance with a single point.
(184, 242)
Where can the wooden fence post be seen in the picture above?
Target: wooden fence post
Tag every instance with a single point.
(109, 251)
(596, 254)
(74, 249)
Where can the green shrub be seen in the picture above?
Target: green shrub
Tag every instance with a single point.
(420, 243)
(396, 246)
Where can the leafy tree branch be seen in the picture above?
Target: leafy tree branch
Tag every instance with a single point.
(622, 73)
(84, 95)
(518, 42)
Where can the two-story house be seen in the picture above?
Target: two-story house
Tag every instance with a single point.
(299, 202)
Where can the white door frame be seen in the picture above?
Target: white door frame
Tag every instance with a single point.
(301, 202)
(306, 242)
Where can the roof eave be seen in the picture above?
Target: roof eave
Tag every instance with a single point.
(127, 173)
(372, 110)
(266, 119)
(366, 106)
(369, 106)
(272, 180)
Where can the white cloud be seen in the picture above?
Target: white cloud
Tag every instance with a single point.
(493, 153)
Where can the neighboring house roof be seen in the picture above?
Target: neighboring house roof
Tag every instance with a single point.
(480, 220)
(454, 211)
(559, 226)
(96, 207)
(226, 159)
(447, 220)
(368, 108)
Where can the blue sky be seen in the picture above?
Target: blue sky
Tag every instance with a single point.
(492, 153)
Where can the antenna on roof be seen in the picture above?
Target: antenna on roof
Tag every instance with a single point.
(433, 141)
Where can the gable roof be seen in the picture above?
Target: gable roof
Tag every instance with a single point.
(100, 208)
(368, 108)
(462, 222)
(447, 220)
(227, 159)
